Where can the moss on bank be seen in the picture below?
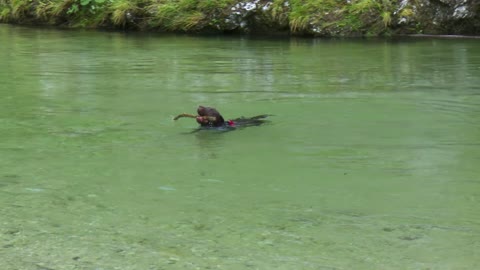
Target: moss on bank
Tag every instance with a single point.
(296, 17)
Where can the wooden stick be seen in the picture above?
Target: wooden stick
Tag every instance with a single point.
(209, 118)
(184, 115)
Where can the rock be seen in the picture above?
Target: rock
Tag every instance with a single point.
(438, 16)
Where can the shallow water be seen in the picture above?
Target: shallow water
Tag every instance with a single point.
(369, 162)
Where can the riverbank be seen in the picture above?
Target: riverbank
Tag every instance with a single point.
(283, 17)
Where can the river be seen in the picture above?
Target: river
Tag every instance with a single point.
(370, 159)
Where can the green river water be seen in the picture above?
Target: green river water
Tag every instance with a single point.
(371, 159)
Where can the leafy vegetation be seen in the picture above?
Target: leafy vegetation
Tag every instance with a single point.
(298, 17)
(5, 14)
(121, 10)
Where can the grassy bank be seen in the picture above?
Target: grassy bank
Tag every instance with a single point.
(295, 17)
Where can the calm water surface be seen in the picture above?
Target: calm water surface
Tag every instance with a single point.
(371, 160)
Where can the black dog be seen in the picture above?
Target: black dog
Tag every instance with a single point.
(209, 117)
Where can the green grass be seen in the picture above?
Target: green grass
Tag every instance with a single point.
(5, 14)
(61, 7)
(386, 18)
(279, 12)
(297, 17)
(20, 9)
(120, 9)
(363, 6)
(368, 17)
(189, 21)
(305, 13)
(44, 10)
(182, 15)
